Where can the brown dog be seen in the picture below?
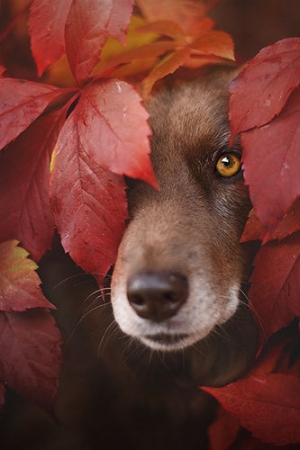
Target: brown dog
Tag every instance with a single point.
(178, 276)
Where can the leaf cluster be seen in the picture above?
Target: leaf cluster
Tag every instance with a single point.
(70, 133)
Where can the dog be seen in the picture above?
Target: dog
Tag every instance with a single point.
(177, 317)
(180, 268)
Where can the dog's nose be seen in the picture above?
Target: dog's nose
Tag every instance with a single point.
(157, 296)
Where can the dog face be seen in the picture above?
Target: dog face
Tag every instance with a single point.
(180, 264)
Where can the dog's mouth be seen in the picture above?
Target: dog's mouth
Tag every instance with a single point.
(165, 341)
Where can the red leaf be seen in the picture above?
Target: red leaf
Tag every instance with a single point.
(253, 229)
(30, 355)
(19, 282)
(271, 163)
(274, 292)
(223, 431)
(289, 224)
(46, 28)
(21, 102)
(268, 406)
(89, 203)
(264, 85)
(25, 211)
(111, 128)
(88, 26)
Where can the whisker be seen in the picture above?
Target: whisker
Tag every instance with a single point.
(133, 348)
(250, 306)
(106, 334)
(72, 277)
(82, 316)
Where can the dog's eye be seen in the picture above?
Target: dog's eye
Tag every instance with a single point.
(228, 165)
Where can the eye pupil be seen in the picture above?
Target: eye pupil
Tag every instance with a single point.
(228, 165)
(226, 161)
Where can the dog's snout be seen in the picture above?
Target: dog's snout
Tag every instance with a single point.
(157, 296)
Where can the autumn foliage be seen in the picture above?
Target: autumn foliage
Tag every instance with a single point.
(69, 134)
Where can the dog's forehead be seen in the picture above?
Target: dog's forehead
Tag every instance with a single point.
(192, 113)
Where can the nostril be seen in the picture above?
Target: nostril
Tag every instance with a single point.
(157, 296)
(136, 300)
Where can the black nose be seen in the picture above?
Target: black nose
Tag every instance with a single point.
(157, 296)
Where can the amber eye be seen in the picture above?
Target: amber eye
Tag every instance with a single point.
(228, 165)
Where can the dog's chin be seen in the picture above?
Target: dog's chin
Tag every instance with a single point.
(169, 342)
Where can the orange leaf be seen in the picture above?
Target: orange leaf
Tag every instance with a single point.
(215, 43)
(168, 65)
(165, 28)
(186, 13)
(144, 53)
